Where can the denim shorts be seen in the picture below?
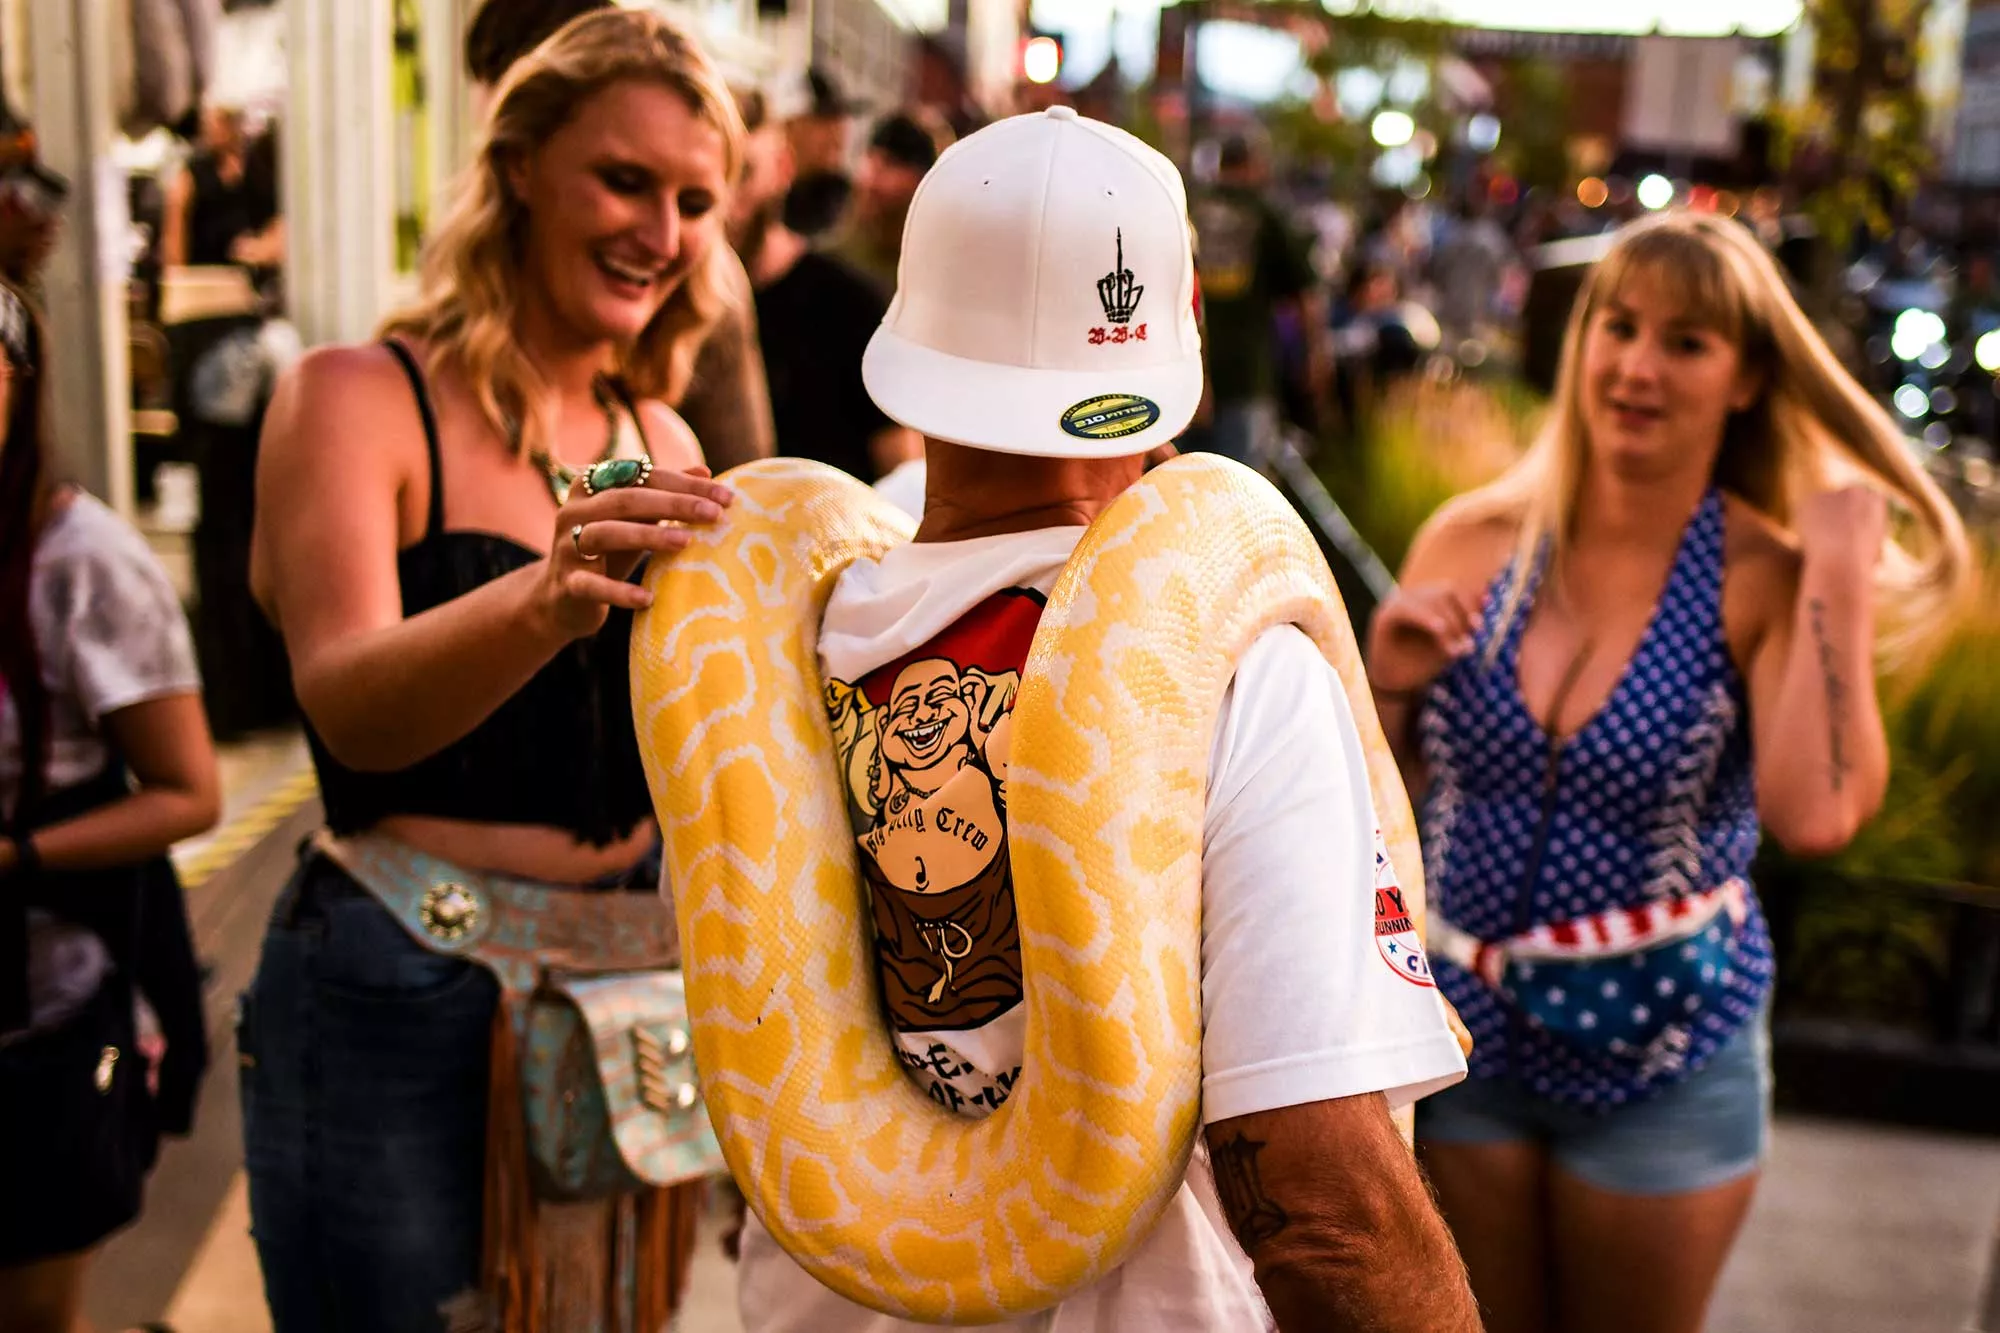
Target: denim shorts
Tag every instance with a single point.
(364, 1114)
(1705, 1131)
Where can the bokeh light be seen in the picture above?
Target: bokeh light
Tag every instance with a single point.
(1041, 60)
(1393, 129)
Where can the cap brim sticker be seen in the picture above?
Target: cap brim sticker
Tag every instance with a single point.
(1110, 416)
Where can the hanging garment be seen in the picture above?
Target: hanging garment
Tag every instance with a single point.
(162, 66)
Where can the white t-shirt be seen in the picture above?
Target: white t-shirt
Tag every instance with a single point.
(110, 633)
(1309, 991)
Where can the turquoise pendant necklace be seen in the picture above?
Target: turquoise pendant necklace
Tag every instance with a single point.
(560, 475)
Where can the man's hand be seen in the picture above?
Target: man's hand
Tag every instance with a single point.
(1326, 1200)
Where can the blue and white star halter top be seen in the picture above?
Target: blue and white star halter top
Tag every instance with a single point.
(1652, 799)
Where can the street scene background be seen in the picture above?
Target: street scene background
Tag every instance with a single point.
(1449, 172)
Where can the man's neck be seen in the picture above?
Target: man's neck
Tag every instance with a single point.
(945, 521)
(972, 493)
(777, 254)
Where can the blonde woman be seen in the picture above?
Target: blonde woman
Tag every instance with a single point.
(1608, 672)
(455, 600)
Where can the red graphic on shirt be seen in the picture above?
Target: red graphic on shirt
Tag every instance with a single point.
(923, 744)
(1396, 937)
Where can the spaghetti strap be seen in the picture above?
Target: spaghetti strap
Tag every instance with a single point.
(434, 524)
(624, 396)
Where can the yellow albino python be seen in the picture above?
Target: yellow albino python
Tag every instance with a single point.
(880, 1193)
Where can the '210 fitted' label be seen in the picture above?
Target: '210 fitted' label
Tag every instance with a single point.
(1396, 937)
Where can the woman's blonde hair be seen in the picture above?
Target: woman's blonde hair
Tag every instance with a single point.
(471, 268)
(1812, 426)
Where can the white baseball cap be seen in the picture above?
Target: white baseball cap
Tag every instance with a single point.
(1045, 299)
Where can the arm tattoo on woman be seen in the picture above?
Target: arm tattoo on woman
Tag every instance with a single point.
(1836, 693)
(1251, 1212)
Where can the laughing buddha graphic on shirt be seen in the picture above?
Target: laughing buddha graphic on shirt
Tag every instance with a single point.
(923, 743)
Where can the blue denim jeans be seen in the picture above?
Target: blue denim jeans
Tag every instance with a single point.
(364, 1114)
(1695, 1135)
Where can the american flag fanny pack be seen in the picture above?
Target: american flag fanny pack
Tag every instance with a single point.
(1627, 981)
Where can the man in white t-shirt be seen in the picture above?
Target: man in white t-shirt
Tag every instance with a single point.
(1043, 340)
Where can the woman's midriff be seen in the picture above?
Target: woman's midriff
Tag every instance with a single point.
(526, 851)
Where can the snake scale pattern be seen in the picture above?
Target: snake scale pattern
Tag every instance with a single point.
(879, 1192)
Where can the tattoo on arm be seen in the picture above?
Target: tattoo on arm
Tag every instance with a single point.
(1251, 1211)
(1836, 693)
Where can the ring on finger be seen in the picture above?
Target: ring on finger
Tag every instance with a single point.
(576, 540)
(613, 474)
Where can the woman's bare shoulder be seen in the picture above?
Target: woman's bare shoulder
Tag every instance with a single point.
(668, 436)
(1467, 541)
(350, 400)
(358, 377)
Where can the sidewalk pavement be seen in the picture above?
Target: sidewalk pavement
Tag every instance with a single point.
(1866, 1229)
(1856, 1229)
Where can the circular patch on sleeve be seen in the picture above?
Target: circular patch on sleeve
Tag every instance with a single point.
(1396, 937)
(1110, 416)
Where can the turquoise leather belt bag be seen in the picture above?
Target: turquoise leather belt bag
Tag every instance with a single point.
(592, 991)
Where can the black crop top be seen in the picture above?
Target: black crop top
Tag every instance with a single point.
(560, 752)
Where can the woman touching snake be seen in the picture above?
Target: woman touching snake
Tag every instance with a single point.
(1141, 904)
(447, 525)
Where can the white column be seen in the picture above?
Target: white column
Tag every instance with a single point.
(84, 287)
(993, 50)
(339, 168)
(447, 95)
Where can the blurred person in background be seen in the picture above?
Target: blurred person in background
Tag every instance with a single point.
(901, 148)
(1468, 266)
(1372, 344)
(725, 401)
(821, 188)
(1975, 301)
(457, 605)
(1252, 267)
(222, 208)
(1606, 674)
(815, 315)
(31, 204)
(502, 31)
(1401, 240)
(105, 763)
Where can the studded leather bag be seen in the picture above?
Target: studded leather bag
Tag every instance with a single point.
(607, 1082)
(608, 1095)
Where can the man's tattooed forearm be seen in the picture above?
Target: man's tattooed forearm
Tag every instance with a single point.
(1836, 694)
(1238, 1181)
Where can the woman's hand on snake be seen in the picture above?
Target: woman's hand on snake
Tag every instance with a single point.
(600, 539)
(1418, 632)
